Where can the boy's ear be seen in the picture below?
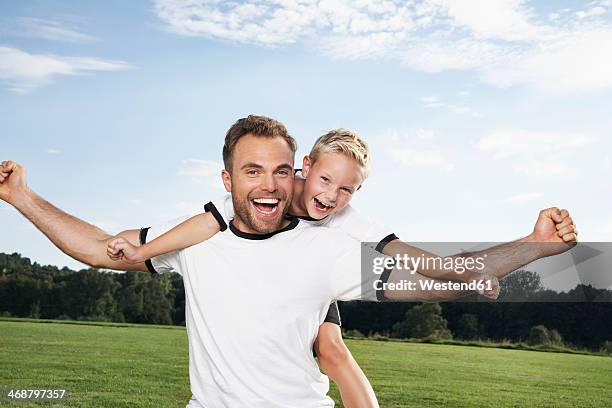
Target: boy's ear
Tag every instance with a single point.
(306, 163)
(227, 180)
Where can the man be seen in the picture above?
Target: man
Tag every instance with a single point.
(254, 295)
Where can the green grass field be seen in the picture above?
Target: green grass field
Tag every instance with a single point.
(146, 366)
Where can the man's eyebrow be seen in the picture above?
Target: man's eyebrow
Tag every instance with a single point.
(252, 166)
(285, 166)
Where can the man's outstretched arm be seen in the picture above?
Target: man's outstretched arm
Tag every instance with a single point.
(554, 232)
(76, 238)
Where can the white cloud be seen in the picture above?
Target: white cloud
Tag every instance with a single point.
(133, 201)
(507, 20)
(50, 30)
(424, 134)
(434, 102)
(53, 151)
(206, 171)
(415, 148)
(23, 72)
(200, 168)
(535, 167)
(512, 142)
(594, 11)
(522, 198)
(506, 42)
(189, 207)
(410, 156)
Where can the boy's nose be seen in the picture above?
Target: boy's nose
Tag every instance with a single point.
(331, 196)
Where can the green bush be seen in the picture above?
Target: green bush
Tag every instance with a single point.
(607, 347)
(422, 321)
(555, 337)
(538, 335)
(353, 333)
(440, 334)
(467, 327)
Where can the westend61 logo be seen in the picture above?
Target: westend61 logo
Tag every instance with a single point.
(413, 264)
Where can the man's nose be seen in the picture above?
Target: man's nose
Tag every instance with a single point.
(269, 183)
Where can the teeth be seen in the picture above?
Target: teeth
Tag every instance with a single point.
(266, 200)
(323, 204)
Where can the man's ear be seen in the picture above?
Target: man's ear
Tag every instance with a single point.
(306, 164)
(227, 180)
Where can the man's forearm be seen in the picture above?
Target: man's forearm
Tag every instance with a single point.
(500, 260)
(406, 286)
(76, 238)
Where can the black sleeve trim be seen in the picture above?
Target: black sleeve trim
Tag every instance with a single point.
(333, 315)
(210, 207)
(383, 242)
(143, 240)
(384, 278)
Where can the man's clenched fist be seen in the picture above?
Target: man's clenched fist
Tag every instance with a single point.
(12, 181)
(556, 230)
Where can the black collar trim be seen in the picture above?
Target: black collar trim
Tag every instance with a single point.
(308, 217)
(247, 235)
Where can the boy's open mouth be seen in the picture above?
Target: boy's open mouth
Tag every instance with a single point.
(266, 207)
(321, 206)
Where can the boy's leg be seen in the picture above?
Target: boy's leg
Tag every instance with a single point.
(338, 363)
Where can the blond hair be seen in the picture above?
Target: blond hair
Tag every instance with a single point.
(345, 142)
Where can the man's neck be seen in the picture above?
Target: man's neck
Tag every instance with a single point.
(298, 207)
(243, 227)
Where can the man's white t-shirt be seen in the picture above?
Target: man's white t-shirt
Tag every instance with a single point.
(253, 306)
(357, 225)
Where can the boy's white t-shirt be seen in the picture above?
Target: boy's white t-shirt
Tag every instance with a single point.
(253, 306)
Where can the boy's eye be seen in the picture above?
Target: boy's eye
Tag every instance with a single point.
(325, 179)
(347, 190)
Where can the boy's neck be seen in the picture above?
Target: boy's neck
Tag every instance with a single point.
(298, 207)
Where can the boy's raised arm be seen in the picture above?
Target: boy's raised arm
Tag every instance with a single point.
(76, 238)
(193, 231)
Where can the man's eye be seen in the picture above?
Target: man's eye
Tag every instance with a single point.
(283, 172)
(252, 172)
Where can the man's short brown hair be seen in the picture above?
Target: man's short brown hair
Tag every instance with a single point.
(258, 126)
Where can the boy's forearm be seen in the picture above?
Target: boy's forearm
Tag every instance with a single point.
(190, 232)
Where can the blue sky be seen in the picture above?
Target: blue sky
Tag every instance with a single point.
(479, 114)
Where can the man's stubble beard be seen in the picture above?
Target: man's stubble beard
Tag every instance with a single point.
(245, 212)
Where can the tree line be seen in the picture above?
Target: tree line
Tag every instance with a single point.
(582, 317)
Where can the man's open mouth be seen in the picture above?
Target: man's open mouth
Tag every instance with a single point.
(322, 207)
(266, 207)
